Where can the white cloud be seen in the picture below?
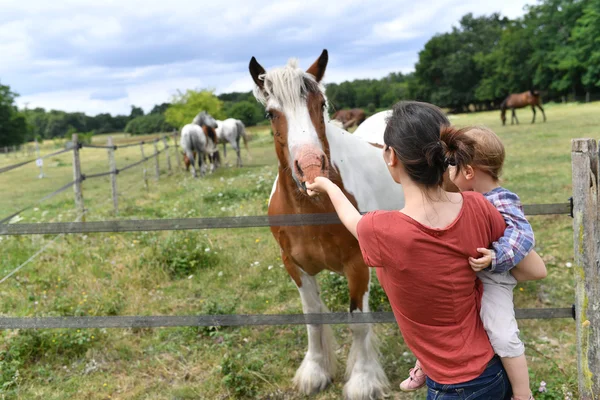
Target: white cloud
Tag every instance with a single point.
(84, 55)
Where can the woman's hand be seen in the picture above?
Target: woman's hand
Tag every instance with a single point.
(320, 185)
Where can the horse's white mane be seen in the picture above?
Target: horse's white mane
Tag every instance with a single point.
(288, 85)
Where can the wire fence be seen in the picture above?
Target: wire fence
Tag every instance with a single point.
(80, 226)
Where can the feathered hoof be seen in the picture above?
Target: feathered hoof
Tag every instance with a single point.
(311, 378)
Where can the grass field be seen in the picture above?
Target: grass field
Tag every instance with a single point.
(231, 271)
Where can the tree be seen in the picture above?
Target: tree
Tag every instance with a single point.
(160, 108)
(136, 112)
(185, 106)
(13, 126)
(586, 45)
(250, 113)
(448, 72)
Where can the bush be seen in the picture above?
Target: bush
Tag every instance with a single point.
(180, 254)
(29, 346)
(239, 374)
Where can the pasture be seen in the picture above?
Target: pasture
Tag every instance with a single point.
(233, 271)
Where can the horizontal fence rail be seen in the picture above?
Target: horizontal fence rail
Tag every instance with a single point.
(237, 320)
(212, 223)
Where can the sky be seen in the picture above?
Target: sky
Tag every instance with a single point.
(104, 56)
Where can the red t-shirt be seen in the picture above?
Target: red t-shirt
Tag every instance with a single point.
(434, 293)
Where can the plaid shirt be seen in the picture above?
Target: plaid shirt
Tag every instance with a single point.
(518, 238)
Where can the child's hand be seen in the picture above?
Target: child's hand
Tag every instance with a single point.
(320, 185)
(477, 264)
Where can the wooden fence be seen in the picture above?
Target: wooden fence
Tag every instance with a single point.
(586, 239)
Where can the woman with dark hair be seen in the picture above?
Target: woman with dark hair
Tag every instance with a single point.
(421, 254)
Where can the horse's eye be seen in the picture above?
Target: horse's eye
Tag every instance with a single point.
(269, 115)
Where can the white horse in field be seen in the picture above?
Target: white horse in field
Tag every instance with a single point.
(232, 130)
(198, 139)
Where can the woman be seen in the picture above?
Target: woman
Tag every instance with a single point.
(421, 253)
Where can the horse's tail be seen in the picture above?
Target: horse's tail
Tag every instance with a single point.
(242, 132)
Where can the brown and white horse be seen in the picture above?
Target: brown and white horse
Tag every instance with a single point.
(349, 118)
(307, 146)
(519, 100)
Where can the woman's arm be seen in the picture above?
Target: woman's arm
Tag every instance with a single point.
(348, 214)
(531, 268)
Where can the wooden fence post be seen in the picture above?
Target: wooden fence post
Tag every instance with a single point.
(77, 177)
(586, 236)
(112, 166)
(39, 160)
(176, 150)
(168, 156)
(144, 164)
(157, 171)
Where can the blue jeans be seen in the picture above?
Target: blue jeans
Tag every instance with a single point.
(492, 384)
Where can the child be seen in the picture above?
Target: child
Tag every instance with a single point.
(475, 156)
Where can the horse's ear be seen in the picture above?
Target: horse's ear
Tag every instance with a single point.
(256, 70)
(318, 68)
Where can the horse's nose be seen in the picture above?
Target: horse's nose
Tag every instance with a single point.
(299, 169)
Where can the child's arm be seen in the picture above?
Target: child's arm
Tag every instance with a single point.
(517, 241)
(348, 214)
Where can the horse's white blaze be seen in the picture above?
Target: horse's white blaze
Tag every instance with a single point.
(363, 171)
(319, 365)
(366, 378)
(301, 131)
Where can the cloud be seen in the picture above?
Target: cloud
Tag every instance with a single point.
(83, 55)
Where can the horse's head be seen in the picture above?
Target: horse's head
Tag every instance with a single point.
(205, 119)
(296, 105)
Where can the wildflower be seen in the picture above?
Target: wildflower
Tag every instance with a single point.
(207, 250)
(190, 277)
(270, 267)
(542, 388)
(220, 274)
(521, 289)
(257, 240)
(568, 265)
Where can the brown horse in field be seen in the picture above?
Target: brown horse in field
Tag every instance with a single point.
(519, 100)
(349, 118)
(307, 146)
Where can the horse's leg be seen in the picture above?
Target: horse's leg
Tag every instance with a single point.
(365, 376)
(543, 113)
(238, 152)
(533, 109)
(319, 365)
(190, 156)
(202, 163)
(224, 150)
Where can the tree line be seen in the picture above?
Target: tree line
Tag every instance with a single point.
(553, 48)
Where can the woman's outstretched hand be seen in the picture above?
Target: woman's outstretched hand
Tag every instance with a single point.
(320, 185)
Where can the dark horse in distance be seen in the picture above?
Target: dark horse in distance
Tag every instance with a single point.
(519, 100)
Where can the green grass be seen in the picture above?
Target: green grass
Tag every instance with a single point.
(231, 271)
